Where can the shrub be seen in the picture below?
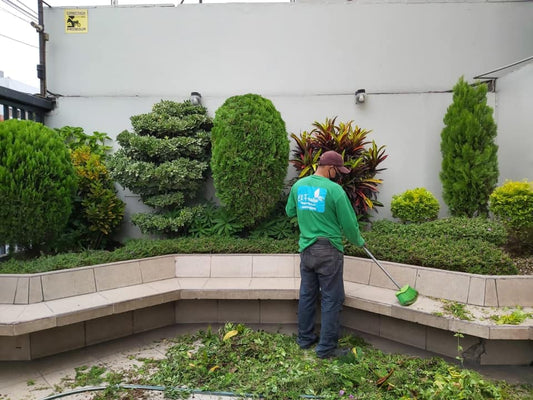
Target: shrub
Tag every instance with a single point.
(472, 255)
(512, 204)
(360, 155)
(453, 229)
(37, 184)
(165, 161)
(416, 205)
(250, 157)
(469, 161)
(454, 244)
(98, 211)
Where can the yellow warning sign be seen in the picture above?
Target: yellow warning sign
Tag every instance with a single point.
(76, 21)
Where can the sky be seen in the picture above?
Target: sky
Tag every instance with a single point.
(19, 41)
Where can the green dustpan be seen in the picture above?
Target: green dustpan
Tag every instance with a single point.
(406, 295)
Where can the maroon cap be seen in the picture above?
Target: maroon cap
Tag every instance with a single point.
(333, 158)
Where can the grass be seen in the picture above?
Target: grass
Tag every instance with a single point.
(258, 364)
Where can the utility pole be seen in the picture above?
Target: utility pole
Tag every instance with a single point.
(41, 67)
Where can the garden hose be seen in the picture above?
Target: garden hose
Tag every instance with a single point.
(156, 388)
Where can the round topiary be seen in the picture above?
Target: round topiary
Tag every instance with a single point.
(250, 156)
(416, 205)
(37, 184)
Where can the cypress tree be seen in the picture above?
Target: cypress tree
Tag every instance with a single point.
(469, 155)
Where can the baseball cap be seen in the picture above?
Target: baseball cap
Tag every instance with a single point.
(333, 158)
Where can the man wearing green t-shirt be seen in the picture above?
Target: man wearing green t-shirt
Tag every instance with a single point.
(324, 214)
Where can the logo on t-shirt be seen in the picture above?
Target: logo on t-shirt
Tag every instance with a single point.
(312, 198)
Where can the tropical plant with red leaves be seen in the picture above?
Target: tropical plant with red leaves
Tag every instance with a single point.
(360, 154)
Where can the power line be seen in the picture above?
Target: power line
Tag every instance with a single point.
(31, 10)
(20, 10)
(15, 15)
(20, 41)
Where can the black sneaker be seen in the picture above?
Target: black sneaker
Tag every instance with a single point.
(338, 352)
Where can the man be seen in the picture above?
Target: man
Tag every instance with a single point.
(324, 214)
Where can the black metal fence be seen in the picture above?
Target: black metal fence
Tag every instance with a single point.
(15, 104)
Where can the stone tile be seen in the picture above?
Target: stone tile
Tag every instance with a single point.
(422, 312)
(165, 285)
(57, 285)
(137, 297)
(157, 268)
(22, 293)
(273, 266)
(227, 283)
(35, 290)
(443, 284)
(154, 317)
(57, 340)
(507, 332)
(9, 313)
(447, 344)
(402, 274)
(278, 312)
(367, 305)
(231, 266)
(357, 270)
(196, 311)
(192, 283)
(14, 348)
(273, 283)
(476, 291)
(506, 352)
(403, 331)
(469, 328)
(491, 295)
(296, 259)
(193, 266)
(108, 328)
(80, 308)
(117, 275)
(246, 312)
(360, 320)
(34, 317)
(515, 291)
(369, 298)
(8, 288)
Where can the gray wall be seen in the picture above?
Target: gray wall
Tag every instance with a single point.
(515, 124)
(308, 58)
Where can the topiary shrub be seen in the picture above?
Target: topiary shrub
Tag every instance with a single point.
(512, 204)
(469, 155)
(37, 184)
(415, 205)
(250, 157)
(165, 161)
(361, 155)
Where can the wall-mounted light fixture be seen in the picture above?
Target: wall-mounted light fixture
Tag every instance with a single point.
(360, 96)
(196, 98)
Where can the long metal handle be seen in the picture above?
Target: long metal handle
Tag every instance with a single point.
(380, 266)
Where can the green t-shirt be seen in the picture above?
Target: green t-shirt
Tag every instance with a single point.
(323, 210)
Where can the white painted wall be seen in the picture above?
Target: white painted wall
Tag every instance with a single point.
(515, 124)
(308, 58)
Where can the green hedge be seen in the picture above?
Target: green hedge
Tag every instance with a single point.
(455, 228)
(454, 244)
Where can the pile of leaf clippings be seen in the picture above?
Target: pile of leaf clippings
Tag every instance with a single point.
(244, 362)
